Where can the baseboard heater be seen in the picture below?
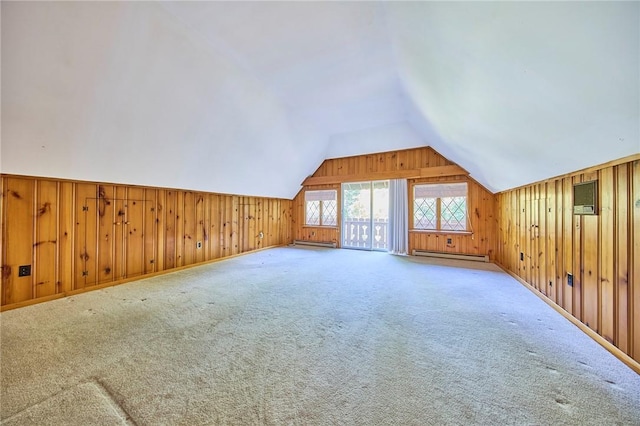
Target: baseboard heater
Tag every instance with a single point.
(314, 243)
(458, 256)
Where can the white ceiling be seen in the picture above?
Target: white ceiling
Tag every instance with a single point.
(250, 97)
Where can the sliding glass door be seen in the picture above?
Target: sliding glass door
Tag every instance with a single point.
(365, 215)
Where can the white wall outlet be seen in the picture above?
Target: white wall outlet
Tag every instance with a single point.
(199, 244)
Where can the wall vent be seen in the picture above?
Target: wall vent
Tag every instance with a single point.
(585, 198)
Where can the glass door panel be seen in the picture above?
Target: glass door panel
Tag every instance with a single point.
(380, 215)
(356, 215)
(365, 215)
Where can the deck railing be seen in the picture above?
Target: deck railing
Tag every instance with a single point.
(355, 233)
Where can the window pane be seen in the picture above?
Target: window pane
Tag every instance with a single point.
(453, 213)
(321, 207)
(313, 213)
(424, 213)
(329, 213)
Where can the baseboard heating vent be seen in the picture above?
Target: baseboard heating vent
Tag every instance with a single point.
(458, 256)
(314, 243)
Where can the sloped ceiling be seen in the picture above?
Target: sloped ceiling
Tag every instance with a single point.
(250, 97)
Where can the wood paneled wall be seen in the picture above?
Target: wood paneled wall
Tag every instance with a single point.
(542, 241)
(80, 235)
(395, 164)
(481, 238)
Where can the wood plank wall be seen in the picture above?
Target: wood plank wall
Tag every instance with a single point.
(602, 252)
(481, 202)
(80, 235)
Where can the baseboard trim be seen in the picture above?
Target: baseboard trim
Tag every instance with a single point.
(125, 280)
(615, 351)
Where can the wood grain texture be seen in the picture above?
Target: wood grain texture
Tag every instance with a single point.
(106, 230)
(622, 251)
(149, 236)
(551, 253)
(634, 247)
(578, 272)
(567, 238)
(19, 208)
(377, 172)
(600, 251)
(46, 228)
(606, 254)
(82, 235)
(65, 240)
(120, 230)
(86, 235)
(134, 231)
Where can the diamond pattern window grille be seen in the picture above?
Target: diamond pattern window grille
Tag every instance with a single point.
(424, 213)
(330, 213)
(441, 206)
(453, 213)
(321, 208)
(313, 213)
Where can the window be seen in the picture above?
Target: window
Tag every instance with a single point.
(441, 207)
(321, 208)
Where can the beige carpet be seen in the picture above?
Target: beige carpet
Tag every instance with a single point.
(311, 337)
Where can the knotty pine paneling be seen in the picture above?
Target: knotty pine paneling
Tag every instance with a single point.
(481, 202)
(106, 208)
(82, 235)
(634, 263)
(46, 229)
(601, 251)
(86, 235)
(18, 239)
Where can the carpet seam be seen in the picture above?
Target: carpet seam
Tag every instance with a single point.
(110, 396)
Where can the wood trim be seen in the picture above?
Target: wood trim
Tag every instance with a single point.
(424, 172)
(626, 359)
(440, 232)
(132, 185)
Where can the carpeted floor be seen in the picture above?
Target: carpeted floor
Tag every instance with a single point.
(312, 337)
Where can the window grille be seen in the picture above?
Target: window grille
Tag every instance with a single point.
(321, 208)
(441, 206)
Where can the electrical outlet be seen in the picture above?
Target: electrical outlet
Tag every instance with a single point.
(521, 256)
(24, 270)
(570, 280)
(199, 244)
(448, 240)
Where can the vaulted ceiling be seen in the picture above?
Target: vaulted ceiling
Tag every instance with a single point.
(250, 97)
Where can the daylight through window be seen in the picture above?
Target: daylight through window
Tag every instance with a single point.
(441, 207)
(321, 208)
